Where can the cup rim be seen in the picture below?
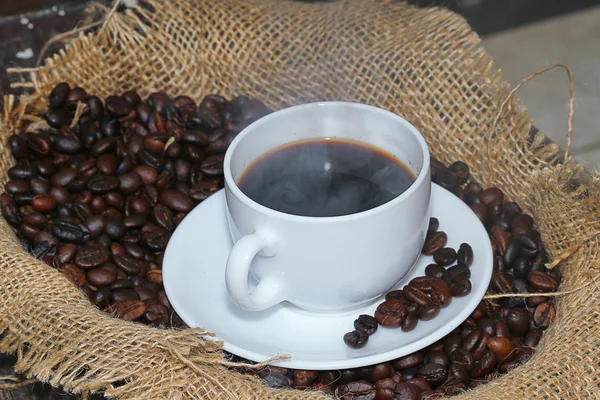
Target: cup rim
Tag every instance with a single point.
(238, 193)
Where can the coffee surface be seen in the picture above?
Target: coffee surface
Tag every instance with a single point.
(325, 177)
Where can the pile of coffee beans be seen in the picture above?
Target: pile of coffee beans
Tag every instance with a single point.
(98, 198)
(424, 296)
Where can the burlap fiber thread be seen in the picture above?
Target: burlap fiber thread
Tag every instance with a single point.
(424, 64)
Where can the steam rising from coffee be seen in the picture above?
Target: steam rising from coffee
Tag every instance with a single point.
(325, 178)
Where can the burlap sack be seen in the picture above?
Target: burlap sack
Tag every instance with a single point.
(425, 64)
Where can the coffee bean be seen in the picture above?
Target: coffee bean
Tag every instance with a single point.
(118, 105)
(416, 296)
(527, 246)
(366, 323)
(17, 186)
(101, 277)
(58, 95)
(459, 270)
(435, 374)
(127, 264)
(460, 286)
(129, 310)
(484, 366)
(43, 203)
(356, 339)
(67, 145)
(533, 337)
(428, 312)
(444, 256)
(544, 315)
(176, 201)
(90, 257)
(70, 232)
(434, 242)
(460, 170)
(439, 357)
(434, 224)
(390, 313)
(435, 271)
(123, 294)
(157, 240)
(410, 322)
(543, 281)
(406, 391)
(155, 276)
(441, 293)
(465, 254)
(518, 321)
(359, 390)
(492, 196)
(464, 358)
(502, 282)
(213, 165)
(114, 229)
(122, 283)
(20, 173)
(501, 347)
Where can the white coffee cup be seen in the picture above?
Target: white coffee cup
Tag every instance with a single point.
(324, 263)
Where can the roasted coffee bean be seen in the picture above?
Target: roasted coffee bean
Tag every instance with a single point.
(434, 242)
(484, 366)
(40, 186)
(123, 294)
(90, 257)
(459, 270)
(157, 240)
(543, 281)
(460, 170)
(460, 286)
(70, 232)
(101, 277)
(155, 276)
(406, 391)
(127, 264)
(527, 246)
(521, 267)
(421, 383)
(518, 321)
(118, 105)
(410, 322)
(435, 374)
(390, 313)
(465, 254)
(28, 231)
(463, 357)
(544, 315)
(428, 312)
(114, 229)
(444, 256)
(416, 296)
(492, 196)
(533, 337)
(435, 271)
(502, 282)
(58, 95)
(501, 347)
(480, 211)
(213, 165)
(356, 339)
(101, 184)
(67, 145)
(20, 172)
(366, 323)
(359, 390)
(195, 137)
(438, 356)
(163, 217)
(129, 310)
(17, 186)
(176, 201)
(441, 293)
(409, 361)
(433, 226)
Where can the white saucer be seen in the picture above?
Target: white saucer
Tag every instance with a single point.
(193, 275)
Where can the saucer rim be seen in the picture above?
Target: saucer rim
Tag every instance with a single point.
(350, 362)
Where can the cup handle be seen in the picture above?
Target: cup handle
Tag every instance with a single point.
(267, 293)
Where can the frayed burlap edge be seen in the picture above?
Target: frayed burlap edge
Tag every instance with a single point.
(426, 65)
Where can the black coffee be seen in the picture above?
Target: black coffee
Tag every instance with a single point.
(325, 178)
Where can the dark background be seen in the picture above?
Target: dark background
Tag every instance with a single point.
(46, 18)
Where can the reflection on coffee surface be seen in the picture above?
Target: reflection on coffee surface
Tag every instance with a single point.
(325, 177)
